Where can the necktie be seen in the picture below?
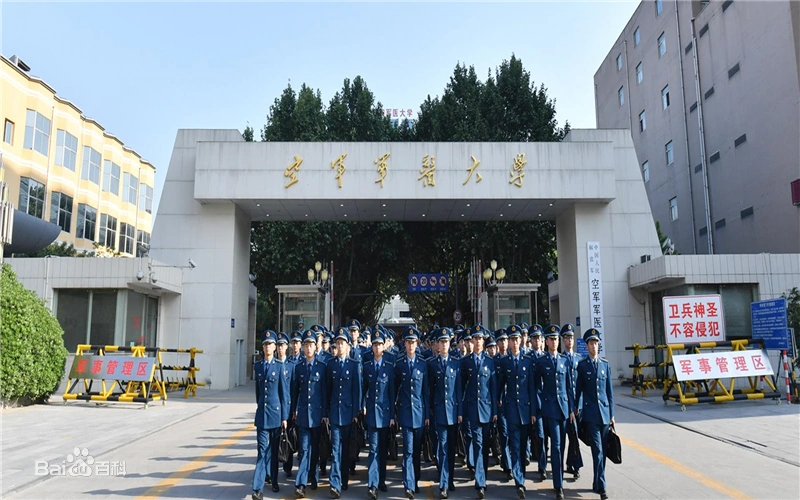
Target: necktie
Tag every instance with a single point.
(377, 367)
(478, 362)
(410, 366)
(516, 364)
(444, 364)
(308, 370)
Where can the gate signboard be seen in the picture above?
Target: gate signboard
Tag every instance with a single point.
(690, 319)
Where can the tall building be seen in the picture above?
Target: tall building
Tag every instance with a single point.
(65, 168)
(711, 93)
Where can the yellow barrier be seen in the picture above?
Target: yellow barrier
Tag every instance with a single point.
(189, 384)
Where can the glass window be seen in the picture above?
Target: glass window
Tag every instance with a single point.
(665, 97)
(621, 95)
(126, 233)
(646, 171)
(108, 231)
(639, 75)
(134, 334)
(637, 37)
(87, 220)
(66, 149)
(142, 239)
(72, 312)
(31, 197)
(669, 154)
(111, 175)
(642, 122)
(659, 7)
(619, 62)
(104, 317)
(662, 45)
(130, 188)
(673, 208)
(91, 165)
(37, 132)
(8, 132)
(146, 198)
(61, 211)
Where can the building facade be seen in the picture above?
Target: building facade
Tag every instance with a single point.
(65, 168)
(711, 94)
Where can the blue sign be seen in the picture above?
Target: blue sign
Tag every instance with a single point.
(771, 323)
(429, 282)
(580, 348)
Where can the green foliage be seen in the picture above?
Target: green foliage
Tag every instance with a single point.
(793, 311)
(372, 260)
(662, 238)
(32, 353)
(247, 135)
(62, 249)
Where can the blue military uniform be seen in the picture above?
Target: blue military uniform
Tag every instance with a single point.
(344, 395)
(309, 406)
(478, 378)
(594, 387)
(356, 351)
(378, 403)
(518, 393)
(273, 406)
(288, 370)
(537, 429)
(573, 463)
(444, 373)
(502, 425)
(553, 378)
(411, 381)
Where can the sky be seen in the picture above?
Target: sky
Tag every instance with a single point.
(143, 70)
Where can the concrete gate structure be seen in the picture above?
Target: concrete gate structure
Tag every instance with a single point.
(217, 183)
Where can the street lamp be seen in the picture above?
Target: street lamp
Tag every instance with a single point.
(317, 276)
(492, 275)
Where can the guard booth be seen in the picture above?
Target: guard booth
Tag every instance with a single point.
(510, 304)
(310, 304)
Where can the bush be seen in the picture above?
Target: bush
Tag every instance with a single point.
(32, 352)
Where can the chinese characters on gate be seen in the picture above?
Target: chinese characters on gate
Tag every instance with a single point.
(112, 368)
(595, 291)
(693, 318)
(730, 364)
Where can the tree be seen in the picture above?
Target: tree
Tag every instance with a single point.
(793, 312)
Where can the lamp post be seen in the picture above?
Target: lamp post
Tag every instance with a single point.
(318, 276)
(493, 276)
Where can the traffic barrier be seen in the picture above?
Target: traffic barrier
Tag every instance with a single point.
(640, 382)
(712, 389)
(189, 383)
(125, 379)
(785, 360)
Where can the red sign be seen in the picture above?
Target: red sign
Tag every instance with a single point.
(691, 319)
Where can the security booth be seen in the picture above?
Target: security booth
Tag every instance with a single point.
(310, 304)
(510, 304)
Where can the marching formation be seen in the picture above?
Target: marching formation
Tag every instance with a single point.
(461, 392)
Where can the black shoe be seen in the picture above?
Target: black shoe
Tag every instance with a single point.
(481, 493)
(559, 493)
(383, 487)
(257, 495)
(313, 485)
(508, 475)
(373, 492)
(521, 492)
(300, 492)
(576, 473)
(410, 495)
(542, 475)
(416, 490)
(289, 474)
(471, 474)
(442, 493)
(335, 493)
(276, 488)
(452, 487)
(603, 495)
(268, 481)
(344, 487)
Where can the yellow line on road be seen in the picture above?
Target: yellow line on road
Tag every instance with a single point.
(179, 475)
(688, 471)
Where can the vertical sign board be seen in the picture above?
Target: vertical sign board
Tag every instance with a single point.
(771, 323)
(689, 319)
(595, 292)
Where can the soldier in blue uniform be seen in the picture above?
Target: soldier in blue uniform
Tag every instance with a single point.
(344, 395)
(523, 328)
(309, 407)
(501, 337)
(573, 358)
(479, 382)
(282, 355)
(411, 381)
(444, 373)
(555, 404)
(538, 454)
(296, 354)
(597, 413)
(378, 408)
(273, 406)
(356, 352)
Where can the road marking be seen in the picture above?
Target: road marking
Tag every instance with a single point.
(683, 469)
(179, 475)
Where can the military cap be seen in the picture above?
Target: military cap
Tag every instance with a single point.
(458, 328)
(490, 341)
(354, 324)
(552, 331)
(591, 334)
(367, 330)
(309, 336)
(501, 333)
(514, 331)
(283, 338)
(524, 327)
(297, 336)
(467, 334)
(444, 334)
(378, 337)
(411, 333)
(535, 329)
(479, 331)
(568, 330)
(341, 333)
(269, 337)
(318, 329)
(327, 337)
(300, 324)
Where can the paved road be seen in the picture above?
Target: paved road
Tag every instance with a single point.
(205, 449)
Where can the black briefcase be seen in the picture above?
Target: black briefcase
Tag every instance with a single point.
(283, 446)
(613, 448)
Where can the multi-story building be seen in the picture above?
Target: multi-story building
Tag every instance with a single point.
(65, 168)
(711, 93)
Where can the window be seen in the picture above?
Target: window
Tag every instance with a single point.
(108, 231)
(665, 97)
(142, 239)
(111, 175)
(662, 45)
(642, 122)
(714, 157)
(8, 132)
(646, 171)
(126, 238)
(621, 95)
(146, 198)
(619, 62)
(688, 48)
(669, 153)
(637, 37)
(698, 167)
(66, 149)
(130, 189)
(37, 132)
(740, 140)
(659, 7)
(673, 208)
(61, 211)
(31, 197)
(91, 165)
(639, 73)
(703, 231)
(692, 107)
(703, 30)
(720, 224)
(747, 212)
(87, 220)
(733, 70)
(726, 5)
(709, 93)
